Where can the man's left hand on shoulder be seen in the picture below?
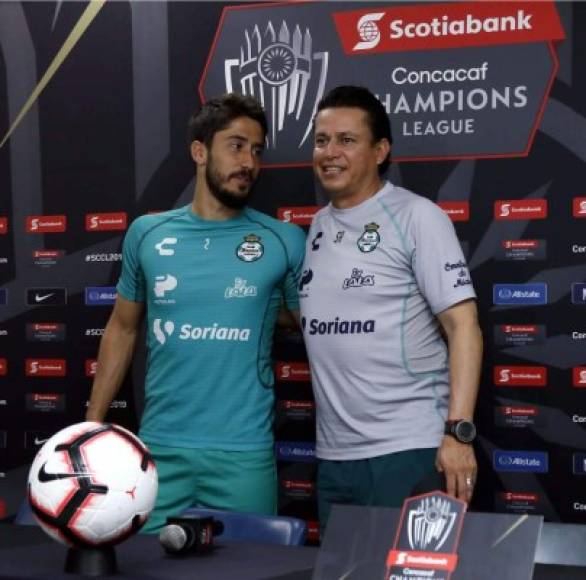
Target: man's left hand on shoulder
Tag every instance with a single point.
(457, 462)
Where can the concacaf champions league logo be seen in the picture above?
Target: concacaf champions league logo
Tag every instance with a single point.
(430, 524)
(280, 70)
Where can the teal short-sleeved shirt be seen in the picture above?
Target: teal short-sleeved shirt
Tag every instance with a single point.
(212, 291)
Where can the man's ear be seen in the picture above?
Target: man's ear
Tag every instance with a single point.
(199, 152)
(383, 148)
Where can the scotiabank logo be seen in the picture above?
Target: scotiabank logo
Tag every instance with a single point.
(368, 30)
(520, 376)
(520, 244)
(301, 215)
(3, 367)
(520, 496)
(532, 209)
(3, 225)
(519, 411)
(100, 222)
(579, 377)
(458, 211)
(447, 26)
(45, 367)
(46, 224)
(519, 328)
(293, 371)
(579, 207)
(91, 367)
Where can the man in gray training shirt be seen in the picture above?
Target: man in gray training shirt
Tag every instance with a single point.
(383, 275)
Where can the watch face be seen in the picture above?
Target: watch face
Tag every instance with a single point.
(465, 431)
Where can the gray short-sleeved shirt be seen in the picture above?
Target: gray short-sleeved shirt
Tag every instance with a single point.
(374, 277)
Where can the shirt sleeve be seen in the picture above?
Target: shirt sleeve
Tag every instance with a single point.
(439, 264)
(131, 284)
(296, 255)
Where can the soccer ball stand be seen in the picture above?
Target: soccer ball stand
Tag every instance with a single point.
(91, 486)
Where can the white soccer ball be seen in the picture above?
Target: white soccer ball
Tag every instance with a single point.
(92, 484)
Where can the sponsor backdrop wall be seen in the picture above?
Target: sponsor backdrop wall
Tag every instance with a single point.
(488, 108)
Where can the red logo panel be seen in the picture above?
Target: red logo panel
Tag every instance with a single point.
(516, 328)
(3, 367)
(520, 376)
(101, 222)
(579, 207)
(91, 367)
(458, 211)
(438, 26)
(300, 215)
(46, 224)
(45, 367)
(515, 209)
(3, 225)
(579, 377)
(292, 371)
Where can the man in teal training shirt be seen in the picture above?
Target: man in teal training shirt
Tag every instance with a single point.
(210, 277)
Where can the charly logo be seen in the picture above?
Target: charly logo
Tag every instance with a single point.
(240, 289)
(358, 280)
(279, 66)
(250, 249)
(315, 241)
(163, 331)
(368, 31)
(430, 524)
(369, 239)
(162, 248)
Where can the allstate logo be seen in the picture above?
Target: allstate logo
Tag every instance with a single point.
(368, 31)
(280, 67)
(505, 293)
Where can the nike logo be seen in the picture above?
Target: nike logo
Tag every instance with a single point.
(39, 298)
(44, 476)
(41, 441)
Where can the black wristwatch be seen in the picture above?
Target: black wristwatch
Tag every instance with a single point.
(461, 429)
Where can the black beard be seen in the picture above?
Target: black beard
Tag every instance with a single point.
(224, 196)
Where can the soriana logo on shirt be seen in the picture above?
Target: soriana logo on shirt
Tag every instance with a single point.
(579, 207)
(520, 376)
(530, 209)
(46, 224)
(458, 25)
(458, 211)
(300, 215)
(102, 222)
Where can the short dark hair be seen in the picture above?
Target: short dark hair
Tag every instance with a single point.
(216, 114)
(376, 115)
